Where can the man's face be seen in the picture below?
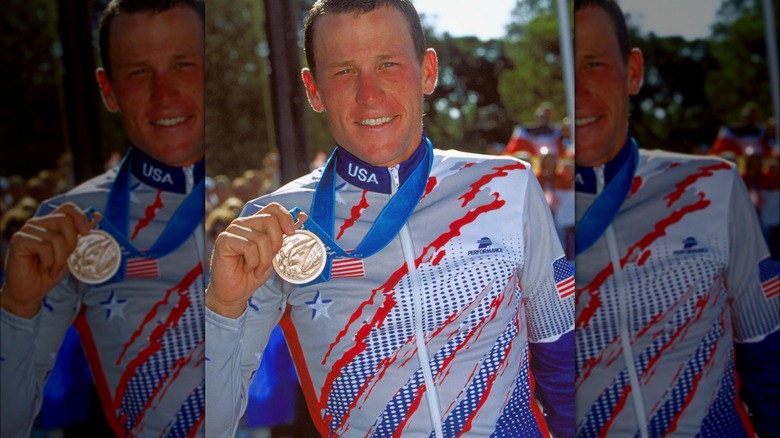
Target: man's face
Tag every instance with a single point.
(156, 82)
(371, 83)
(603, 82)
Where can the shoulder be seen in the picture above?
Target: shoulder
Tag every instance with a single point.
(674, 159)
(296, 193)
(90, 193)
(471, 159)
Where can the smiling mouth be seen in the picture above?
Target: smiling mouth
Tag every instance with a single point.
(376, 122)
(173, 121)
(584, 121)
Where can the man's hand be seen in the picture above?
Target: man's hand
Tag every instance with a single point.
(242, 259)
(38, 257)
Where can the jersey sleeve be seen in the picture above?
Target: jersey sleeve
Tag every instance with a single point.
(755, 303)
(234, 348)
(28, 351)
(751, 274)
(548, 288)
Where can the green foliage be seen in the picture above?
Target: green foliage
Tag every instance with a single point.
(739, 48)
(535, 71)
(692, 88)
(466, 111)
(672, 110)
(30, 81)
(238, 128)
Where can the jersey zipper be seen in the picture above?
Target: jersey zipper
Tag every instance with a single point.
(431, 394)
(621, 289)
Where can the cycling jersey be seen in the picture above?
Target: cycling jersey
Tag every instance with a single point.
(430, 336)
(679, 276)
(143, 336)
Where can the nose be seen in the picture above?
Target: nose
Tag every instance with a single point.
(369, 90)
(581, 89)
(163, 88)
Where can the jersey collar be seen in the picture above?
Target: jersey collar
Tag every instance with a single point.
(373, 178)
(585, 177)
(161, 176)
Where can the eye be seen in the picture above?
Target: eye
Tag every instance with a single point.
(389, 64)
(137, 71)
(184, 64)
(346, 71)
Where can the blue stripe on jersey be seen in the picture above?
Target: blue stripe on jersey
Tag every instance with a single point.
(517, 418)
(602, 408)
(189, 413)
(469, 403)
(681, 388)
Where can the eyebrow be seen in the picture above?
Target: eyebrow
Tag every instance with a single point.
(176, 57)
(349, 62)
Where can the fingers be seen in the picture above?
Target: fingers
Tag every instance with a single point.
(258, 238)
(249, 244)
(49, 240)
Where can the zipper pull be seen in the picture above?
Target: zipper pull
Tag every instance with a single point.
(189, 174)
(394, 174)
(600, 180)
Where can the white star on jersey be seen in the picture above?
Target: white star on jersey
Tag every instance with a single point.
(319, 307)
(114, 306)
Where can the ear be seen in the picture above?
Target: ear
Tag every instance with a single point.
(635, 68)
(430, 71)
(312, 93)
(106, 91)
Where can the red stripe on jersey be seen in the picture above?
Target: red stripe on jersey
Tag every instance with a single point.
(307, 385)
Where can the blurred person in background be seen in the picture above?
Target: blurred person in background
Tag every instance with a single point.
(745, 138)
(540, 138)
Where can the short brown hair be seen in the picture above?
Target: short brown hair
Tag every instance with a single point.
(322, 7)
(616, 16)
(119, 7)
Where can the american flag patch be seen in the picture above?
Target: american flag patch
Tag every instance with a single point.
(347, 268)
(142, 268)
(564, 281)
(767, 275)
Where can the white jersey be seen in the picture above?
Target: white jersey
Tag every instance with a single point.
(680, 275)
(431, 335)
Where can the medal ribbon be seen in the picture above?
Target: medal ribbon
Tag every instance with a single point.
(386, 226)
(116, 219)
(595, 221)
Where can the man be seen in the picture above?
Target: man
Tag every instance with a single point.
(675, 287)
(745, 139)
(541, 138)
(453, 282)
(141, 328)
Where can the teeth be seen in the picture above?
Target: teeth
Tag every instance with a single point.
(375, 122)
(585, 121)
(170, 122)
